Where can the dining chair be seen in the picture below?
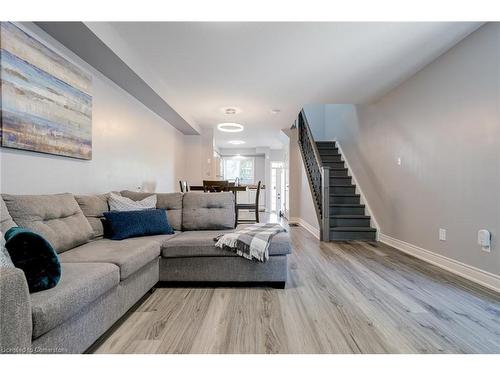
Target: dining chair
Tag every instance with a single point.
(184, 186)
(250, 206)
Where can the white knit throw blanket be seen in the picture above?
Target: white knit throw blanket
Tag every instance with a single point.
(250, 242)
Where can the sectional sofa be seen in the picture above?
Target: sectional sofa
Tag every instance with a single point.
(103, 279)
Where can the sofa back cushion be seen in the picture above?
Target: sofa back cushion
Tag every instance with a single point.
(170, 202)
(94, 207)
(58, 218)
(208, 211)
(6, 221)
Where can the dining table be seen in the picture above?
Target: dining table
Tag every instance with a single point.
(234, 189)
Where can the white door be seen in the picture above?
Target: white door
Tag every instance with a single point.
(279, 173)
(283, 193)
(277, 189)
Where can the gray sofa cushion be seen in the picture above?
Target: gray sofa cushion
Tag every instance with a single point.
(81, 284)
(93, 207)
(161, 239)
(208, 211)
(223, 269)
(129, 255)
(202, 244)
(15, 312)
(6, 221)
(170, 202)
(58, 218)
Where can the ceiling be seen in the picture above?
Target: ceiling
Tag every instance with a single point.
(201, 67)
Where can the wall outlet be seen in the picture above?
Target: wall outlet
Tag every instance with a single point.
(484, 240)
(442, 234)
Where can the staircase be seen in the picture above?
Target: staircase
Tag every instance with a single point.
(348, 220)
(339, 210)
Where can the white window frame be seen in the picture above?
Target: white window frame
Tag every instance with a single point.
(238, 158)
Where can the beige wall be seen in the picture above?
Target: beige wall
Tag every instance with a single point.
(444, 124)
(132, 148)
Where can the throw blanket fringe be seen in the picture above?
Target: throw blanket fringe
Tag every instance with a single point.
(250, 242)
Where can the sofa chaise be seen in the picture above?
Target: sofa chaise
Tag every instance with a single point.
(102, 279)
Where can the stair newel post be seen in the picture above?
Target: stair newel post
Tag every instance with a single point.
(325, 204)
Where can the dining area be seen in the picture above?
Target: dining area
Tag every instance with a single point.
(247, 197)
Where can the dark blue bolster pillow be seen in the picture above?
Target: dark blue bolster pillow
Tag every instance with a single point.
(35, 256)
(126, 224)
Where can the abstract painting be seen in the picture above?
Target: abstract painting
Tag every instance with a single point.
(46, 104)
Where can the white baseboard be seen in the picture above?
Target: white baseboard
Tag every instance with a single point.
(304, 224)
(484, 278)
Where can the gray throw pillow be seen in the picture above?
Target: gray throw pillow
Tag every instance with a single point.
(118, 203)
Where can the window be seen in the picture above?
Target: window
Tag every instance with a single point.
(238, 167)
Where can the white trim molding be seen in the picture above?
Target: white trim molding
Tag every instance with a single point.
(358, 187)
(484, 278)
(304, 224)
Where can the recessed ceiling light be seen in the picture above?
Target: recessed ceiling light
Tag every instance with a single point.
(230, 127)
(230, 110)
(275, 111)
(236, 142)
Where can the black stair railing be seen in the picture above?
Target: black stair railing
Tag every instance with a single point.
(318, 175)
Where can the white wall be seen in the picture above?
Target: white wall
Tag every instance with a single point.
(132, 147)
(315, 114)
(260, 169)
(199, 160)
(301, 204)
(444, 123)
(193, 160)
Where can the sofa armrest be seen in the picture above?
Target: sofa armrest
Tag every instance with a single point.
(15, 312)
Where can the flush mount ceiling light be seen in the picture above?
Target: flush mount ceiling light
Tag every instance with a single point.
(275, 111)
(230, 110)
(230, 127)
(236, 142)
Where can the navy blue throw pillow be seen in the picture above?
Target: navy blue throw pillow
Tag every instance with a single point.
(35, 256)
(126, 224)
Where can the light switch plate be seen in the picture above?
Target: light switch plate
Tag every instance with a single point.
(442, 234)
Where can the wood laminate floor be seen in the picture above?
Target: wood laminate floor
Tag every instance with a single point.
(345, 297)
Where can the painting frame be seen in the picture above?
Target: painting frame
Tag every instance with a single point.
(45, 100)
